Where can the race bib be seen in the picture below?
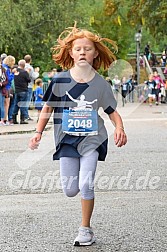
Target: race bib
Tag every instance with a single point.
(80, 122)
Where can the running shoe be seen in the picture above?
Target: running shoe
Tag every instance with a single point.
(85, 237)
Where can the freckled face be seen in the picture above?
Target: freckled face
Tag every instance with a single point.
(83, 51)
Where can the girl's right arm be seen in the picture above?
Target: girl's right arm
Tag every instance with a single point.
(43, 120)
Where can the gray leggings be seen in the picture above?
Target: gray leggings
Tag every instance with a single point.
(77, 174)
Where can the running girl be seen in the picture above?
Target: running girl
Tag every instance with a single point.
(81, 53)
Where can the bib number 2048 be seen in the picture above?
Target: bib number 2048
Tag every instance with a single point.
(75, 123)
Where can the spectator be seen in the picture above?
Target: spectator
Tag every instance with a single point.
(132, 83)
(109, 80)
(21, 80)
(163, 59)
(116, 82)
(153, 59)
(8, 64)
(54, 71)
(11, 105)
(163, 93)
(34, 74)
(3, 56)
(147, 51)
(3, 83)
(129, 86)
(38, 96)
(12, 98)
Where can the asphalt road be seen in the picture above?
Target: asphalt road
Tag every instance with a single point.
(131, 198)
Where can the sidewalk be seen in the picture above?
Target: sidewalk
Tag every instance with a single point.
(23, 128)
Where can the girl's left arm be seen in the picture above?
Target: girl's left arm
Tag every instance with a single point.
(120, 137)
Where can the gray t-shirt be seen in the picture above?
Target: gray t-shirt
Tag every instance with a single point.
(56, 96)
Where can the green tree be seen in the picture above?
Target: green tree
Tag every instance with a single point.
(33, 26)
(120, 20)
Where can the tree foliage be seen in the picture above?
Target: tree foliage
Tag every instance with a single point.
(32, 27)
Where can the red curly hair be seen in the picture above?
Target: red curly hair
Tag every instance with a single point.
(61, 54)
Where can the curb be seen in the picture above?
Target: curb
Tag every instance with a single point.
(22, 131)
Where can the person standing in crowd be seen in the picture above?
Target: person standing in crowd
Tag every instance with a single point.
(3, 56)
(116, 84)
(82, 53)
(131, 83)
(34, 74)
(130, 88)
(109, 80)
(147, 51)
(153, 59)
(150, 89)
(8, 64)
(124, 90)
(21, 80)
(3, 91)
(159, 83)
(12, 98)
(163, 59)
(38, 96)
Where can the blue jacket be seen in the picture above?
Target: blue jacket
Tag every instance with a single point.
(10, 76)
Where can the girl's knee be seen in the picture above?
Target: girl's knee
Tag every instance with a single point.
(70, 185)
(70, 193)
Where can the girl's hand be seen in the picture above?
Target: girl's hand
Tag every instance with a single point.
(120, 137)
(34, 141)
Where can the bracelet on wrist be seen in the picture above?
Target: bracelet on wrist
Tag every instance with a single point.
(38, 132)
